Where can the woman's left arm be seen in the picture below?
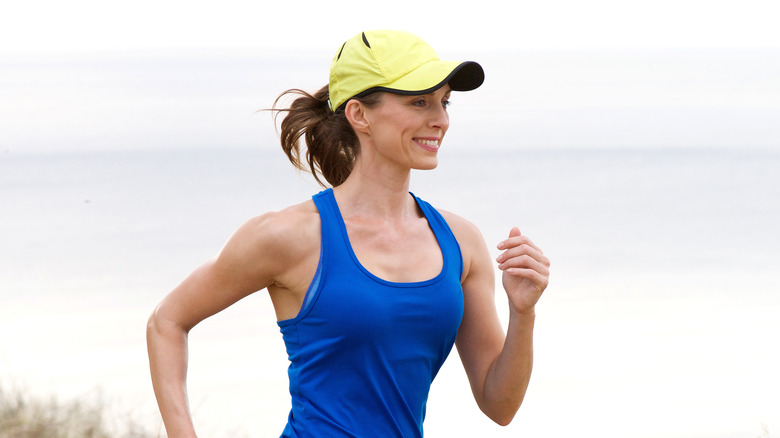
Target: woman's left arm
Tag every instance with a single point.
(498, 365)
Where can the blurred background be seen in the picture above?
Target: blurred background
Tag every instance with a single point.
(638, 143)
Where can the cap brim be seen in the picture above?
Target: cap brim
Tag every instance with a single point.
(466, 77)
(429, 77)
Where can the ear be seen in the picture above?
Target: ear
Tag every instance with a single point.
(356, 115)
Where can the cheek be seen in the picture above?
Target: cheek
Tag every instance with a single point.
(389, 136)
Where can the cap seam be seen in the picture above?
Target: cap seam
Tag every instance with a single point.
(378, 62)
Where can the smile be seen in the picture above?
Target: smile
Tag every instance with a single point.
(429, 143)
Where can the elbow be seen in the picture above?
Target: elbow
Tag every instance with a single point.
(152, 328)
(164, 336)
(152, 324)
(501, 413)
(503, 419)
(158, 325)
(502, 407)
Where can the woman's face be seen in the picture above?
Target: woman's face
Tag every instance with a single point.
(409, 130)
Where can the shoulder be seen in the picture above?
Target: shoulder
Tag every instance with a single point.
(283, 225)
(470, 239)
(276, 237)
(465, 231)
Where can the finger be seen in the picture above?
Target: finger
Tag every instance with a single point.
(526, 262)
(537, 278)
(514, 232)
(518, 240)
(521, 250)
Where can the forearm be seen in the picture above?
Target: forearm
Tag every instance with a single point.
(167, 347)
(507, 379)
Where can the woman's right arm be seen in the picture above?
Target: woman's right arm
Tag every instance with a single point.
(253, 258)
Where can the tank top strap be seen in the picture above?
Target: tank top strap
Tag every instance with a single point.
(325, 203)
(330, 220)
(444, 235)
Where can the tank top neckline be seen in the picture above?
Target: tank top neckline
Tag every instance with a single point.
(348, 246)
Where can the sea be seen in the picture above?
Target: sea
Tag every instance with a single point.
(650, 179)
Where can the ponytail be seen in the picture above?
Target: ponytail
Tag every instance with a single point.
(331, 143)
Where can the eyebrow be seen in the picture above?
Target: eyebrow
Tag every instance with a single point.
(449, 92)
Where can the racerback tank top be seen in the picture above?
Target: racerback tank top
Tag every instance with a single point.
(363, 351)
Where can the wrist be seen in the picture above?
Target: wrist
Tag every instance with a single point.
(522, 315)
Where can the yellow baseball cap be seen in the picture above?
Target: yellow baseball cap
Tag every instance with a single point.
(396, 62)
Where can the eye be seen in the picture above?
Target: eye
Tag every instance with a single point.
(445, 103)
(419, 102)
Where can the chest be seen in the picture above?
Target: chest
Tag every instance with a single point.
(401, 254)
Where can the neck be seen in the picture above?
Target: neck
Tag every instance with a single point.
(376, 191)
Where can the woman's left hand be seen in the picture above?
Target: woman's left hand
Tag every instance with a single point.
(526, 271)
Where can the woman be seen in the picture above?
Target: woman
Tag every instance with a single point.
(371, 285)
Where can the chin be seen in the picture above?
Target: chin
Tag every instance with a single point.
(429, 165)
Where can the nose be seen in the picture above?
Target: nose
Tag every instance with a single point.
(440, 118)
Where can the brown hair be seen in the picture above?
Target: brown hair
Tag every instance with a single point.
(331, 143)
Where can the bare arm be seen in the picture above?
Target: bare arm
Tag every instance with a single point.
(254, 258)
(498, 365)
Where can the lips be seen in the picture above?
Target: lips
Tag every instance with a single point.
(429, 143)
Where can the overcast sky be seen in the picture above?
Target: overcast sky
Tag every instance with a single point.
(720, 98)
(55, 26)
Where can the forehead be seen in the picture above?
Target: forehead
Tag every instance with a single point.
(444, 90)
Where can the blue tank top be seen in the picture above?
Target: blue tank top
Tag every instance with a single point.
(363, 351)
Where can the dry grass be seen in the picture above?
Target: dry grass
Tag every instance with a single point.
(24, 416)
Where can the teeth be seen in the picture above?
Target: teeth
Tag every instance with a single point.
(434, 143)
